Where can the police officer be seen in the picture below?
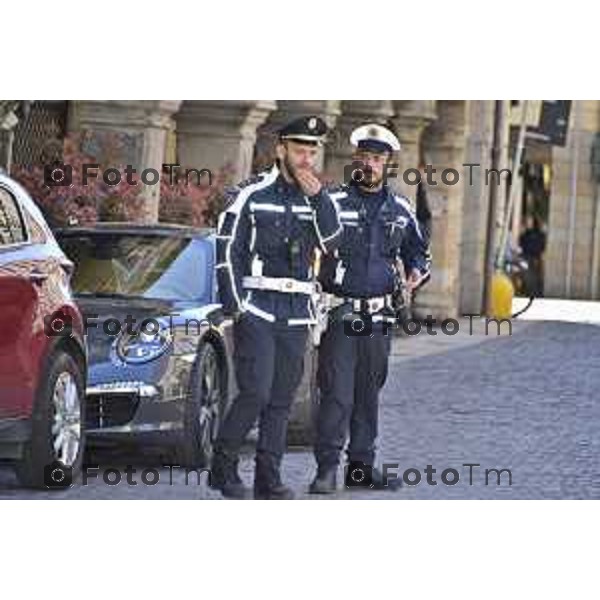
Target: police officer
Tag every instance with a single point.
(379, 231)
(266, 243)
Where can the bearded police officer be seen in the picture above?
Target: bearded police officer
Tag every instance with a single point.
(266, 243)
(380, 232)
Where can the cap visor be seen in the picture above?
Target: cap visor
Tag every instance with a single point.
(303, 139)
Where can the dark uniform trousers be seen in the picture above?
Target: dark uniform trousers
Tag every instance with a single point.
(352, 371)
(269, 363)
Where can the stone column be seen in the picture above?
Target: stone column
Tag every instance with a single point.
(288, 110)
(479, 138)
(573, 159)
(444, 143)
(412, 116)
(8, 121)
(212, 135)
(140, 127)
(354, 113)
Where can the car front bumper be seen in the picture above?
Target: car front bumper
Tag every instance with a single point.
(138, 405)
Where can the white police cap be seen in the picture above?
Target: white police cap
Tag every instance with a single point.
(374, 137)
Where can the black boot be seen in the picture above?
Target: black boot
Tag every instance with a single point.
(361, 476)
(267, 480)
(325, 481)
(225, 478)
(392, 484)
(274, 491)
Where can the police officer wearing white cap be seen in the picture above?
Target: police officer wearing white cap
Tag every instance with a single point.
(379, 231)
(265, 248)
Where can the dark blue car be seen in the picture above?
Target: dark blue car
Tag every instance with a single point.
(160, 348)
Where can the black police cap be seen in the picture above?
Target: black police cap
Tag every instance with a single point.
(307, 130)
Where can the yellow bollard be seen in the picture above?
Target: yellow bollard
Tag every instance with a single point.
(502, 293)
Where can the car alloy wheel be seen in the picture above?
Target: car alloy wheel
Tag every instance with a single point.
(210, 394)
(66, 426)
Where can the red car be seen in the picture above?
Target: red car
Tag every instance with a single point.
(42, 348)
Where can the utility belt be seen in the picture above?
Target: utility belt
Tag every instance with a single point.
(368, 306)
(285, 285)
(288, 285)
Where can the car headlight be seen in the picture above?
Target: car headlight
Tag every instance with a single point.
(142, 346)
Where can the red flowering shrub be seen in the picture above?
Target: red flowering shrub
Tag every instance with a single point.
(186, 202)
(76, 202)
(183, 202)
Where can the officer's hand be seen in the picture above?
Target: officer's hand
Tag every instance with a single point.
(413, 279)
(308, 182)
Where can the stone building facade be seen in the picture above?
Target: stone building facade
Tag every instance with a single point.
(449, 134)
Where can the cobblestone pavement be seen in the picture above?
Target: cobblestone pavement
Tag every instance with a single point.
(527, 402)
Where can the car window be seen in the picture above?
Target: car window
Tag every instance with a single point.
(149, 266)
(12, 230)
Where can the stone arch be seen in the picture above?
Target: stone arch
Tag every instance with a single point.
(215, 134)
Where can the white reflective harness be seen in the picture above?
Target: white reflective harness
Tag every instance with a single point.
(285, 285)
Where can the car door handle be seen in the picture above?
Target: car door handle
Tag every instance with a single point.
(38, 277)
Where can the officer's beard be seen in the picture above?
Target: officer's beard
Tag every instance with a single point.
(289, 170)
(369, 185)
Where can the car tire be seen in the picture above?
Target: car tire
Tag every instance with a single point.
(203, 411)
(57, 423)
(301, 429)
(302, 432)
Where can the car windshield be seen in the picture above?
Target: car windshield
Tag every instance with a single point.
(149, 266)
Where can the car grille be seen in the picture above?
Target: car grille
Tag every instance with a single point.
(110, 409)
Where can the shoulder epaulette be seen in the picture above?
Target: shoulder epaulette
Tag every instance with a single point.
(250, 181)
(232, 193)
